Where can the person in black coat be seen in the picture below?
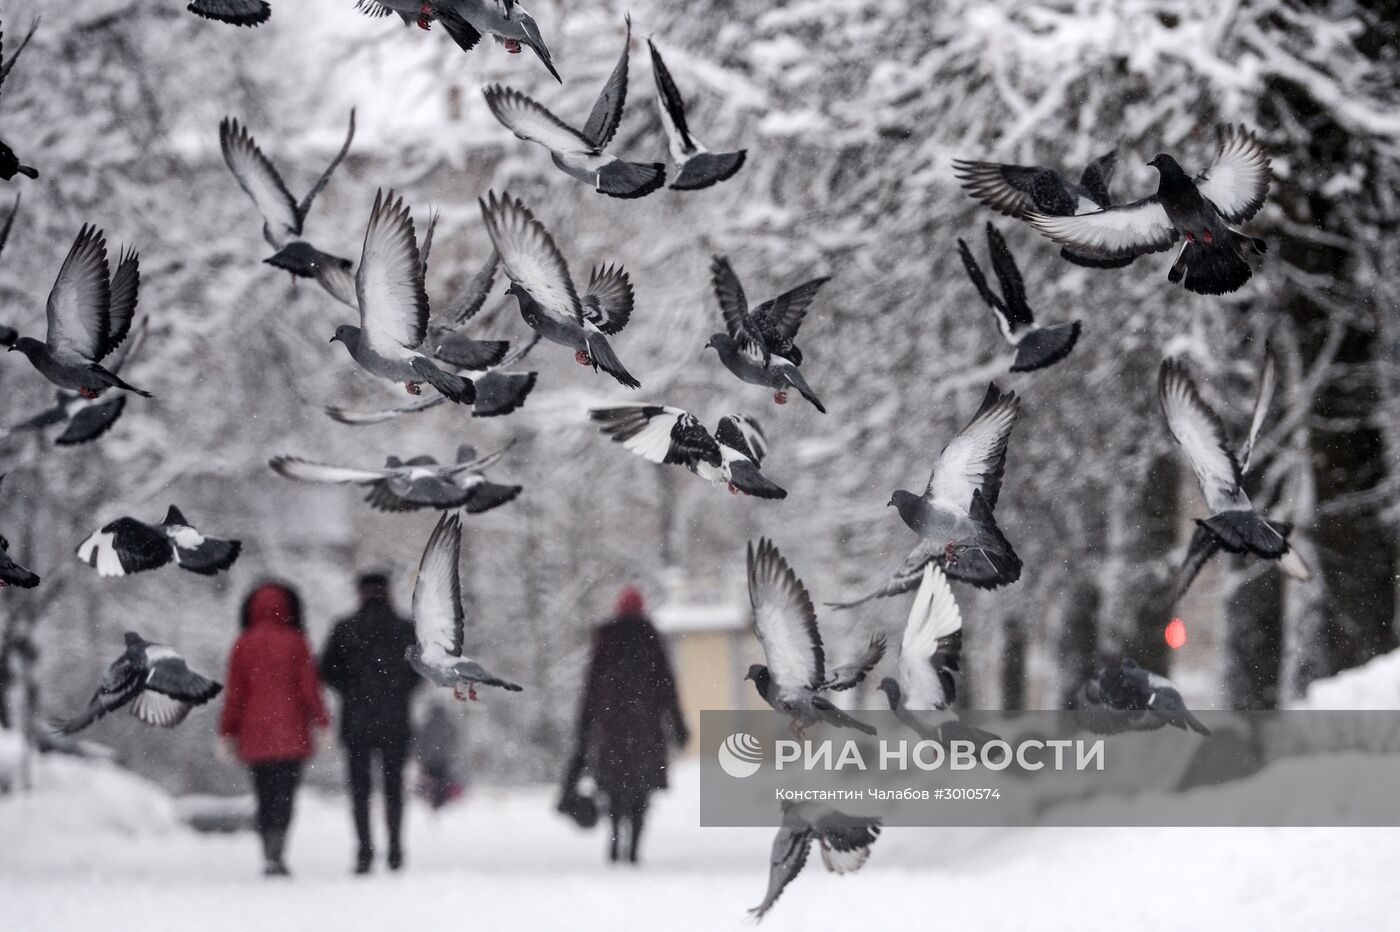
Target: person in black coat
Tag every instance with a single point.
(630, 708)
(364, 662)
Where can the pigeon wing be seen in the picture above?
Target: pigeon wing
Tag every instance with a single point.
(531, 122)
(671, 106)
(261, 182)
(1268, 378)
(477, 291)
(1098, 175)
(929, 652)
(125, 284)
(1201, 435)
(304, 207)
(92, 421)
(438, 616)
(853, 672)
(9, 223)
(846, 841)
(120, 684)
(788, 857)
(1237, 182)
(234, 12)
(172, 689)
(607, 303)
(784, 620)
(607, 109)
(389, 280)
(1204, 545)
(126, 546)
(361, 418)
(787, 310)
(1016, 190)
(1005, 324)
(742, 433)
(659, 433)
(975, 459)
(735, 308)
(1116, 233)
(80, 301)
(530, 258)
(1013, 289)
(294, 467)
(9, 63)
(130, 347)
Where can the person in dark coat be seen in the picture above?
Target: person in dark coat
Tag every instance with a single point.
(364, 662)
(630, 708)
(272, 700)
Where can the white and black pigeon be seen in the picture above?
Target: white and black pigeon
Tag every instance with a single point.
(284, 219)
(408, 485)
(697, 167)
(466, 21)
(844, 842)
(549, 302)
(126, 546)
(757, 345)
(1124, 697)
(233, 12)
(1019, 190)
(10, 165)
(663, 434)
(89, 315)
(11, 573)
(85, 420)
(1204, 210)
(1036, 346)
(439, 620)
(152, 681)
(954, 515)
(582, 154)
(1234, 525)
(785, 622)
(394, 307)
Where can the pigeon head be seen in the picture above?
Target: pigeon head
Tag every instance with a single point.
(133, 639)
(890, 687)
(908, 504)
(760, 676)
(1166, 166)
(347, 334)
(301, 259)
(28, 346)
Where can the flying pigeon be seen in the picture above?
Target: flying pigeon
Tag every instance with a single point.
(506, 21)
(408, 485)
(954, 516)
(10, 164)
(11, 573)
(1036, 346)
(394, 306)
(1233, 526)
(233, 12)
(662, 434)
(786, 624)
(698, 167)
(1020, 190)
(549, 303)
(845, 845)
(582, 154)
(127, 546)
(283, 217)
(1203, 209)
(154, 684)
(1124, 687)
(89, 316)
(758, 345)
(439, 619)
(86, 420)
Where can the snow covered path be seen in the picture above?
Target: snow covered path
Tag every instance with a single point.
(80, 855)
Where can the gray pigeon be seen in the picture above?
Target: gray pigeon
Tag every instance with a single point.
(154, 684)
(10, 164)
(408, 485)
(1234, 525)
(785, 622)
(549, 303)
(757, 345)
(439, 620)
(845, 845)
(1036, 346)
(1124, 697)
(89, 315)
(1020, 190)
(233, 12)
(127, 546)
(394, 306)
(582, 154)
(1204, 210)
(84, 420)
(662, 434)
(697, 167)
(11, 573)
(466, 21)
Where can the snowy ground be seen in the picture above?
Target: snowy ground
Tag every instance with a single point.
(99, 849)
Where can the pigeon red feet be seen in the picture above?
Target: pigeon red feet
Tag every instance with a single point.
(950, 553)
(457, 694)
(471, 692)
(512, 46)
(425, 13)
(732, 490)
(1190, 237)
(1206, 237)
(412, 388)
(780, 398)
(90, 393)
(582, 358)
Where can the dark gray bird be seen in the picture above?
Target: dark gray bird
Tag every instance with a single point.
(233, 12)
(394, 306)
(154, 684)
(785, 622)
(85, 420)
(1204, 210)
(408, 485)
(1036, 346)
(1234, 525)
(582, 154)
(10, 164)
(283, 217)
(127, 546)
(11, 573)
(1020, 190)
(439, 621)
(89, 315)
(757, 345)
(731, 456)
(954, 516)
(466, 21)
(697, 167)
(549, 302)
(1151, 701)
(844, 840)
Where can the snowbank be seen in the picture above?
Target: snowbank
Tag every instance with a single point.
(1373, 685)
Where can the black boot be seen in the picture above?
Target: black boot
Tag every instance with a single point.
(274, 842)
(364, 860)
(395, 856)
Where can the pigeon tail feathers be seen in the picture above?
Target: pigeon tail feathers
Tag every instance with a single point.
(1045, 346)
(630, 179)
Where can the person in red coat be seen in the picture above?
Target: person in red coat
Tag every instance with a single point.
(272, 700)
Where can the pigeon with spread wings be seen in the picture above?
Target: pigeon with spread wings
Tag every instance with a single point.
(233, 12)
(85, 420)
(11, 573)
(439, 620)
(697, 167)
(1203, 210)
(408, 485)
(127, 546)
(844, 841)
(152, 682)
(1124, 697)
(466, 21)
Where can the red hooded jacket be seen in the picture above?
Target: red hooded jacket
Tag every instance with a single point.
(271, 693)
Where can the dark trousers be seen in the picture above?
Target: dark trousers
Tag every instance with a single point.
(391, 760)
(627, 812)
(275, 784)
